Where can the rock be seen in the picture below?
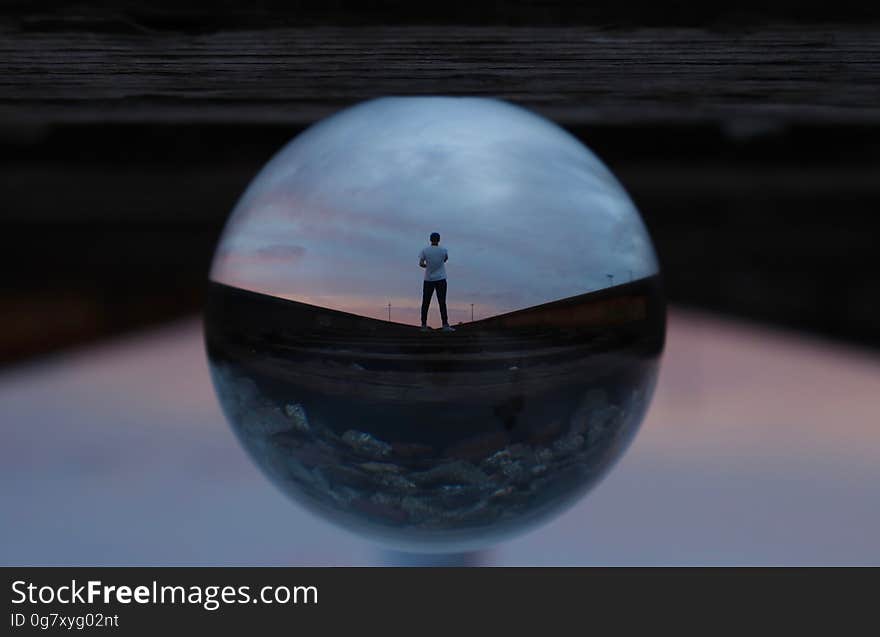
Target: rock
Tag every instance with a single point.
(606, 416)
(366, 445)
(300, 473)
(538, 469)
(502, 492)
(417, 509)
(544, 455)
(497, 460)
(569, 444)
(386, 499)
(239, 390)
(456, 472)
(457, 496)
(515, 471)
(397, 482)
(339, 475)
(602, 422)
(298, 419)
(513, 463)
(265, 421)
(380, 467)
(582, 418)
(344, 495)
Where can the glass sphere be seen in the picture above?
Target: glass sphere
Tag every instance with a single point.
(325, 346)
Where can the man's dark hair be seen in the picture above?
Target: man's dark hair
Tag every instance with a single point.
(435, 237)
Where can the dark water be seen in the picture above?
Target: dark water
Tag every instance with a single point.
(436, 441)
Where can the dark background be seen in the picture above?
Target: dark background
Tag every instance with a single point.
(747, 136)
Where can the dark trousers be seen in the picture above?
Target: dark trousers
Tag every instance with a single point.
(427, 292)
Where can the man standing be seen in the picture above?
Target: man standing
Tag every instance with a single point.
(433, 258)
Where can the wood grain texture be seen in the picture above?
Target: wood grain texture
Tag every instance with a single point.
(574, 75)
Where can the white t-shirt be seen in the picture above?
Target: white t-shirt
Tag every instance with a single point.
(435, 257)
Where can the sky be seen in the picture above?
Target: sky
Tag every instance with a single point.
(528, 214)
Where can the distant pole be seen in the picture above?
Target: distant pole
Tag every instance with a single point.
(389, 312)
(630, 276)
(610, 279)
(472, 312)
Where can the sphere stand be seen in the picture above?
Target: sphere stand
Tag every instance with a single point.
(405, 559)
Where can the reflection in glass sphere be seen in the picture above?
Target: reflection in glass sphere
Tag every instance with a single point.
(426, 436)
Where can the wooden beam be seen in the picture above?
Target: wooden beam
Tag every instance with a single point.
(574, 75)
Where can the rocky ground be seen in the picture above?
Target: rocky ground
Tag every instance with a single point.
(478, 483)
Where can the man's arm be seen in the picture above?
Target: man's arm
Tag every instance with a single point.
(445, 256)
(422, 262)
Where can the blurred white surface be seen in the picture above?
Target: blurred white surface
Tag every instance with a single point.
(760, 448)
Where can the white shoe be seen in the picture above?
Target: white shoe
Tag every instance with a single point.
(448, 328)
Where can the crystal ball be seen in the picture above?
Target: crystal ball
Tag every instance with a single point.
(435, 321)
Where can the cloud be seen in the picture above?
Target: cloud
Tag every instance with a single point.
(528, 214)
(281, 253)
